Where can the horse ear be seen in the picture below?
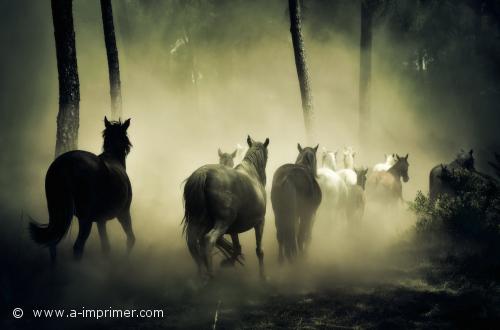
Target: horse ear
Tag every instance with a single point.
(126, 124)
(406, 157)
(299, 147)
(249, 141)
(471, 152)
(107, 124)
(397, 157)
(316, 148)
(219, 152)
(234, 153)
(266, 143)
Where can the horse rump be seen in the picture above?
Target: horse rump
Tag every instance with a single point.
(197, 222)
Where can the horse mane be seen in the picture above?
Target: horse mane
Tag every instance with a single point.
(116, 141)
(307, 158)
(257, 157)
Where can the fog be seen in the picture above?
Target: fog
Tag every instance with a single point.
(244, 86)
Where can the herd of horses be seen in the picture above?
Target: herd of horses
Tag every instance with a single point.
(226, 199)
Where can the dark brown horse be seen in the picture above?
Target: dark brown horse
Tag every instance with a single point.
(440, 175)
(91, 187)
(295, 196)
(220, 200)
(386, 187)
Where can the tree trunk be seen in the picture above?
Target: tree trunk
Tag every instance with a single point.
(69, 86)
(301, 65)
(365, 68)
(113, 64)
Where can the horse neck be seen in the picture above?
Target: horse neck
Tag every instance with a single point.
(308, 165)
(115, 155)
(256, 170)
(395, 171)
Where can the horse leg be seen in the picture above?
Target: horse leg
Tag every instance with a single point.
(236, 251)
(83, 233)
(259, 230)
(103, 235)
(209, 242)
(281, 248)
(304, 235)
(193, 237)
(126, 222)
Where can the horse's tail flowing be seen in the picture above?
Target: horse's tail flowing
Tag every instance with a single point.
(61, 209)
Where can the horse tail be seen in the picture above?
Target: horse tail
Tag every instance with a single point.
(284, 202)
(61, 207)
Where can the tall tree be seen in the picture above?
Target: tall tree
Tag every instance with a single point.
(112, 54)
(301, 65)
(69, 86)
(365, 69)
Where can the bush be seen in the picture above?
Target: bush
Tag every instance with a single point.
(460, 234)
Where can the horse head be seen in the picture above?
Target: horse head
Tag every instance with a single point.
(329, 159)
(115, 136)
(390, 159)
(257, 156)
(307, 157)
(349, 157)
(465, 159)
(401, 167)
(227, 159)
(361, 176)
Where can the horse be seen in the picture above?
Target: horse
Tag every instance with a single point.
(333, 187)
(356, 197)
(439, 183)
(347, 173)
(295, 197)
(387, 186)
(94, 188)
(227, 159)
(390, 159)
(221, 200)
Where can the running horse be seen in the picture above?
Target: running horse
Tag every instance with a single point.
(221, 200)
(387, 186)
(295, 197)
(94, 188)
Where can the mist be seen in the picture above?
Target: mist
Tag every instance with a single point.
(246, 83)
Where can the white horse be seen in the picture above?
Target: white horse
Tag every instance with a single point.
(332, 186)
(390, 159)
(347, 173)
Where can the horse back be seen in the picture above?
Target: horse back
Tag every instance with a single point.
(302, 181)
(100, 188)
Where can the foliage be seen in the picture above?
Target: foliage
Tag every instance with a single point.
(461, 233)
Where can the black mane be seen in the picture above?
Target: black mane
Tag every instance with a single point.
(257, 156)
(116, 141)
(307, 158)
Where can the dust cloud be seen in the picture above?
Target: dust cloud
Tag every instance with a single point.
(246, 83)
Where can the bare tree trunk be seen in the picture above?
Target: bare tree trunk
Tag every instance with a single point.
(301, 65)
(365, 72)
(69, 86)
(113, 64)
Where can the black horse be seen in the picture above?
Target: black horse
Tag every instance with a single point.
(91, 187)
(221, 200)
(440, 175)
(295, 197)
